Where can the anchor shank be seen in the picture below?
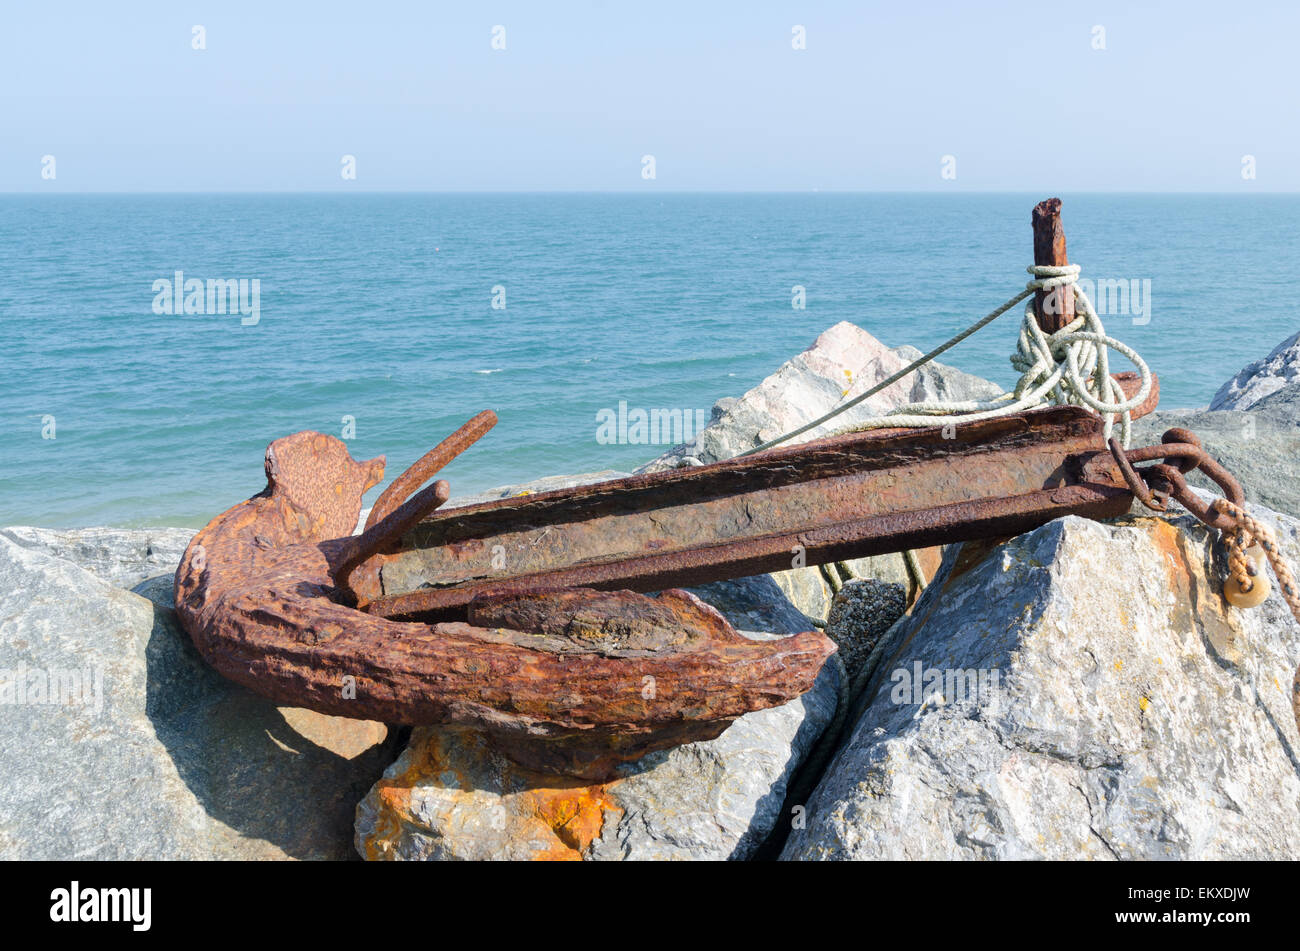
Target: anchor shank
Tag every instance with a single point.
(837, 498)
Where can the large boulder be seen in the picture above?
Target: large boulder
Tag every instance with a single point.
(118, 742)
(1261, 378)
(121, 556)
(843, 362)
(1081, 691)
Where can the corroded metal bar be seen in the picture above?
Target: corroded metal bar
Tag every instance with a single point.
(388, 531)
(358, 576)
(428, 465)
(836, 498)
(1055, 308)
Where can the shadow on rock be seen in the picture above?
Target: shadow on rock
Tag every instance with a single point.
(280, 782)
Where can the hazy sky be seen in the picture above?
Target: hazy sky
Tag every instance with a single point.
(1015, 92)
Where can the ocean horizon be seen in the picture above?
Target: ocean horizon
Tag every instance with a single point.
(390, 318)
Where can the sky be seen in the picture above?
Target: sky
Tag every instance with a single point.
(885, 96)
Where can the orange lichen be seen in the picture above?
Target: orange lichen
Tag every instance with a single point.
(1168, 539)
(571, 814)
(575, 817)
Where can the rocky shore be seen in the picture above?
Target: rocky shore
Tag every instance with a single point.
(1080, 691)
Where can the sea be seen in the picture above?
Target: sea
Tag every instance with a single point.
(390, 319)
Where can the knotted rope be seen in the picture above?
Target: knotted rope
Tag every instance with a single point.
(1069, 366)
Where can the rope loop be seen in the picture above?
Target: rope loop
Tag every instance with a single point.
(1071, 366)
(1051, 276)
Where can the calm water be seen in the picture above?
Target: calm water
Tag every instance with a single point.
(379, 308)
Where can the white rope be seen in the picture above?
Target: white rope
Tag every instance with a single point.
(1069, 366)
(894, 377)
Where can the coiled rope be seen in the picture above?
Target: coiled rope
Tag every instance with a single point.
(1068, 366)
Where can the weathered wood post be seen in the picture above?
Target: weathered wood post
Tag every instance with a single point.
(1055, 308)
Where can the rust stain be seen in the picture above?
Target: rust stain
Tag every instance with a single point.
(1168, 541)
(1197, 599)
(572, 814)
(576, 817)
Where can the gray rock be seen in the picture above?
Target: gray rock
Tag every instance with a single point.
(1257, 380)
(843, 362)
(806, 589)
(121, 556)
(1258, 446)
(754, 604)
(938, 381)
(892, 568)
(1099, 700)
(1282, 405)
(166, 759)
(450, 796)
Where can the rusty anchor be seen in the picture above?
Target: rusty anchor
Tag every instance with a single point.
(570, 681)
(557, 658)
(527, 617)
